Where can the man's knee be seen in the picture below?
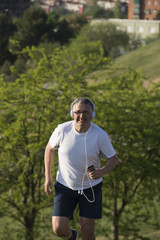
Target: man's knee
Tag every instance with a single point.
(58, 230)
(60, 226)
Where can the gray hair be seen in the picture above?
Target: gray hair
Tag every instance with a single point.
(83, 100)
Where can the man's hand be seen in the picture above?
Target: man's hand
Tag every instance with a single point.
(100, 172)
(96, 174)
(48, 186)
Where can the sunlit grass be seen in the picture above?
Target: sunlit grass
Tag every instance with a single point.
(145, 59)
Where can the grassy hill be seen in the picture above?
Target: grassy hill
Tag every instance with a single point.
(145, 59)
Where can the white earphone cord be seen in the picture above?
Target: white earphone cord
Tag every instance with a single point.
(86, 173)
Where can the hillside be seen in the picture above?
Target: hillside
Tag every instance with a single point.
(145, 59)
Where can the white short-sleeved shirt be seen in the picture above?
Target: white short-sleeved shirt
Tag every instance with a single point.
(78, 151)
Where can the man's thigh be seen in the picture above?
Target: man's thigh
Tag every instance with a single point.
(65, 201)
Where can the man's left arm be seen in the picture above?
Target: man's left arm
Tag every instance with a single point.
(110, 165)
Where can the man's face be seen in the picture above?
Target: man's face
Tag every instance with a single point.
(82, 115)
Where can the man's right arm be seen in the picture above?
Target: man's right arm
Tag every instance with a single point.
(48, 160)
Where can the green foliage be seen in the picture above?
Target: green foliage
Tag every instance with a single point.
(60, 29)
(63, 32)
(39, 99)
(76, 22)
(130, 115)
(135, 42)
(97, 12)
(36, 27)
(32, 27)
(117, 10)
(158, 16)
(112, 39)
(7, 29)
(31, 107)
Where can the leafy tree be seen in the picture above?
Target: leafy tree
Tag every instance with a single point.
(31, 107)
(130, 115)
(32, 27)
(134, 42)
(7, 29)
(158, 16)
(117, 9)
(113, 40)
(39, 99)
(76, 22)
(37, 27)
(108, 13)
(52, 21)
(97, 12)
(63, 32)
(60, 29)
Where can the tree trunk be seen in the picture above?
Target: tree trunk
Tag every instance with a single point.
(29, 233)
(29, 225)
(115, 228)
(115, 221)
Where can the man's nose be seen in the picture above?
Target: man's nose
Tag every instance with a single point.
(82, 114)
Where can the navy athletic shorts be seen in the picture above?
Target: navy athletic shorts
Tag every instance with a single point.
(66, 200)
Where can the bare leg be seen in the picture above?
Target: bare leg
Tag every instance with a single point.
(87, 228)
(60, 227)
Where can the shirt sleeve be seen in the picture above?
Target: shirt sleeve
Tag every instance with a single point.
(106, 148)
(55, 138)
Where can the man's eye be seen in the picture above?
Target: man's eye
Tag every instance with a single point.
(84, 112)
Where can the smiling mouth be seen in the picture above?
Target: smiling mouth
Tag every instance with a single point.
(81, 120)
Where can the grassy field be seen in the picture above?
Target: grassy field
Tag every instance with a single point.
(145, 59)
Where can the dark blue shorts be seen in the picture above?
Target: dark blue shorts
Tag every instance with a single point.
(66, 200)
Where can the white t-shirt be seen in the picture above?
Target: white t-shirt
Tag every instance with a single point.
(78, 151)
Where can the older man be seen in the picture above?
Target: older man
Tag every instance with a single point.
(80, 144)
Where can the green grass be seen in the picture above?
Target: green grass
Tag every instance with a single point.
(145, 59)
(153, 235)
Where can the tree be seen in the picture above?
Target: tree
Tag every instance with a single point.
(76, 22)
(7, 29)
(130, 115)
(52, 22)
(113, 40)
(63, 32)
(60, 29)
(37, 27)
(40, 98)
(97, 12)
(31, 107)
(32, 27)
(158, 16)
(117, 9)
